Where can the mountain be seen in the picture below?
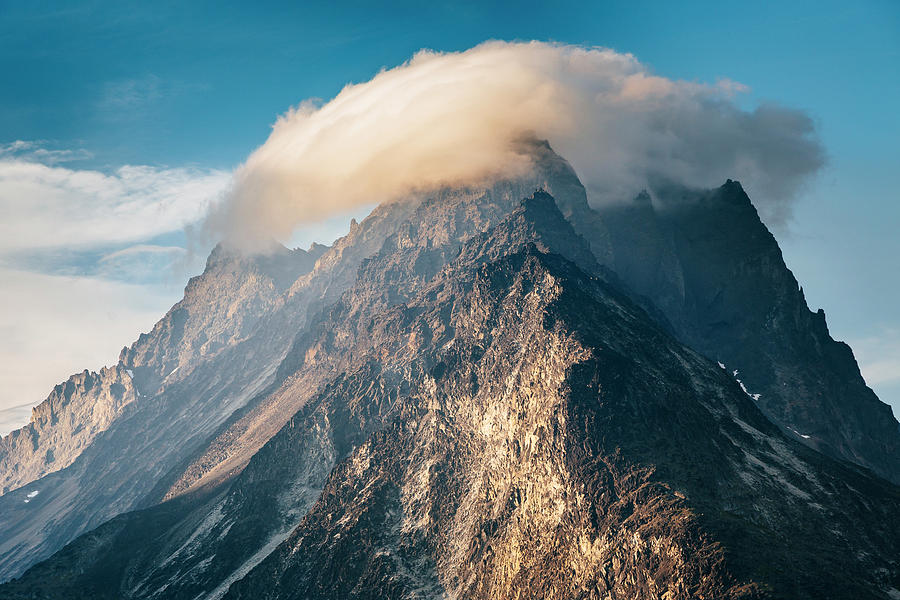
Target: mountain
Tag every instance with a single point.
(208, 375)
(219, 309)
(715, 271)
(64, 424)
(516, 426)
(472, 395)
(208, 357)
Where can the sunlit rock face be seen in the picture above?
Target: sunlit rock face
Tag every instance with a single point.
(199, 400)
(515, 426)
(557, 443)
(64, 424)
(494, 392)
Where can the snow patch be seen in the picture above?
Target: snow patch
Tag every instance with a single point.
(803, 435)
(130, 373)
(31, 495)
(734, 374)
(743, 387)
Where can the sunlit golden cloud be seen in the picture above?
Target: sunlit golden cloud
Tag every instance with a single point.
(452, 118)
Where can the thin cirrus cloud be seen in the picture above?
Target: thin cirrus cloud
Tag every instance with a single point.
(454, 118)
(879, 357)
(131, 93)
(137, 97)
(879, 362)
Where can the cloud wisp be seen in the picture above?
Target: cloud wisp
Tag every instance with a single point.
(879, 361)
(454, 118)
(36, 151)
(879, 357)
(50, 206)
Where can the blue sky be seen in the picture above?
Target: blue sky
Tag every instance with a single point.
(185, 91)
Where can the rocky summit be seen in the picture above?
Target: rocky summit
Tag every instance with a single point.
(488, 393)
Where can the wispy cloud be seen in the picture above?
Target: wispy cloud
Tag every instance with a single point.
(14, 417)
(144, 263)
(132, 93)
(84, 262)
(48, 206)
(879, 361)
(137, 97)
(38, 151)
(879, 357)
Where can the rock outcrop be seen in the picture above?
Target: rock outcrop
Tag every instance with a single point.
(64, 424)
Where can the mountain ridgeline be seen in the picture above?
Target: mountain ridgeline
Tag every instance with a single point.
(493, 392)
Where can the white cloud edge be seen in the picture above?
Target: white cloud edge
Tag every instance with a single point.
(879, 356)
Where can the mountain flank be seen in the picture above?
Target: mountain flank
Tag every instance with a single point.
(491, 392)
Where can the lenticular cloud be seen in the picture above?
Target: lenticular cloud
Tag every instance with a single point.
(455, 118)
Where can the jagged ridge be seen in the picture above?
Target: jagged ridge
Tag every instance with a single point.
(517, 426)
(416, 241)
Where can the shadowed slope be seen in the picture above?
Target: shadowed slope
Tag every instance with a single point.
(711, 266)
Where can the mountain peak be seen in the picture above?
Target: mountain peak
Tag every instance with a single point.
(732, 191)
(710, 264)
(543, 203)
(536, 222)
(458, 401)
(643, 199)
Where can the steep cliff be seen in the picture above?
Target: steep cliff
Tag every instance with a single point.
(711, 266)
(64, 424)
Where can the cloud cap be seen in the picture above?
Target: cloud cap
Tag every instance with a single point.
(454, 118)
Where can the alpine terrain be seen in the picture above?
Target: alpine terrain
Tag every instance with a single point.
(489, 392)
